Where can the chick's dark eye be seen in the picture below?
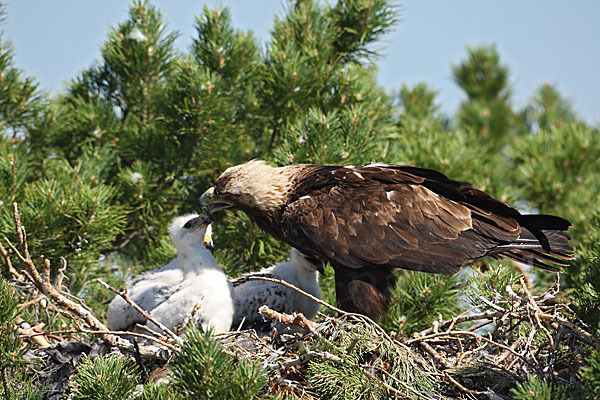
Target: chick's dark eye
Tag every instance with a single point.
(188, 225)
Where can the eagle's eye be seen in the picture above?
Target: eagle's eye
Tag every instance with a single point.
(188, 225)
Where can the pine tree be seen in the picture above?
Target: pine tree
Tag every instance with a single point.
(487, 110)
(548, 108)
(135, 138)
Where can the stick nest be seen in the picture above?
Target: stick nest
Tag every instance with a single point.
(481, 353)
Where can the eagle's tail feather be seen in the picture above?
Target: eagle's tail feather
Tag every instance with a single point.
(542, 244)
(543, 222)
(520, 257)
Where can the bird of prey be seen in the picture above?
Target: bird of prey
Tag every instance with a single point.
(368, 220)
(183, 276)
(249, 294)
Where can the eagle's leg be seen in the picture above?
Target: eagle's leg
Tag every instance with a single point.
(364, 291)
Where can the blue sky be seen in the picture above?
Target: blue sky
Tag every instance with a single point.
(540, 41)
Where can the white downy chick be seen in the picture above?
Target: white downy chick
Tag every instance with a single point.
(207, 294)
(151, 288)
(249, 295)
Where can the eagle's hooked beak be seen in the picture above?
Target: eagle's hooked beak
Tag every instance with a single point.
(213, 202)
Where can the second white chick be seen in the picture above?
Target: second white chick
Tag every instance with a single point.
(249, 295)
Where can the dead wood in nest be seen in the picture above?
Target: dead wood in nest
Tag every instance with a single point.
(481, 352)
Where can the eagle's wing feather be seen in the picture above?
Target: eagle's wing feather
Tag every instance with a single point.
(367, 216)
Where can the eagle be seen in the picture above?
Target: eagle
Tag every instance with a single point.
(249, 294)
(368, 220)
(171, 292)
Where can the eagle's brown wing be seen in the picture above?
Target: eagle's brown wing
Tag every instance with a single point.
(380, 216)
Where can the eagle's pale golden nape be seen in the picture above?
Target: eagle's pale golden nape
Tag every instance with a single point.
(368, 220)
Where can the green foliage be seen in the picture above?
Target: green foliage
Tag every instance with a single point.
(9, 341)
(255, 249)
(419, 299)
(488, 285)
(23, 387)
(347, 137)
(584, 275)
(538, 389)
(417, 104)
(312, 61)
(559, 173)
(16, 384)
(67, 211)
(111, 377)
(203, 370)
(548, 108)
(136, 58)
(357, 345)
(487, 111)
(157, 391)
(99, 172)
(20, 99)
(590, 376)
(357, 24)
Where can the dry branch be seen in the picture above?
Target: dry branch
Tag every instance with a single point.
(296, 319)
(45, 286)
(302, 292)
(139, 309)
(311, 355)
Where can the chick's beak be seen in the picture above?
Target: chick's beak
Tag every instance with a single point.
(203, 221)
(208, 242)
(212, 201)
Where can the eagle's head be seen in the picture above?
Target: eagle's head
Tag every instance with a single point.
(254, 185)
(189, 229)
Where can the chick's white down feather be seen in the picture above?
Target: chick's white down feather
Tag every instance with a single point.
(249, 295)
(170, 293)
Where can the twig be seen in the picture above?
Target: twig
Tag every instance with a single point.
(178, 330)
(296, 319)
(5, 383)
(138, 359)
(464, 317)
(61, 274)
(461, 387)
(436, 356)
(139, 309)
(47, 289)
(524, 275)
(536, 311)
(447, 335)
(8, 263)
(126, 241)
(34, 332)
(311, 355)
(403, 384)
(143, 350)
(149, 331)
(385, 385)
(456, 319)
(302, 292)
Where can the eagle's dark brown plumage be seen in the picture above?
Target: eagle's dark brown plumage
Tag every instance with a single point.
(368, 220)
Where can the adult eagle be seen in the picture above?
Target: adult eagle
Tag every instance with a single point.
(368, 220)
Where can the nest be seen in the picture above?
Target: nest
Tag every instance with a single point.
(480, 353)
